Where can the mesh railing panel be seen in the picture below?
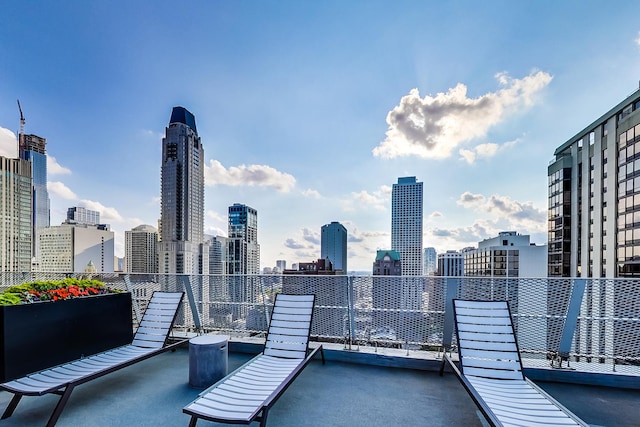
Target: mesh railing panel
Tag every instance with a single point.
(402, 312)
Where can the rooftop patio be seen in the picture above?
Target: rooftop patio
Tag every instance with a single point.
(384, 337)
(153, 392)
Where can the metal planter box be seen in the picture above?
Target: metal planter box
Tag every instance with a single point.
(45, 334)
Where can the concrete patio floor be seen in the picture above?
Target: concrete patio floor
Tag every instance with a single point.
(153, 392)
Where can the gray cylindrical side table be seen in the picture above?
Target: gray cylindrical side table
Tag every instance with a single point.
(208, 359)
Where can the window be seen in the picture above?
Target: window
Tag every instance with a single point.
(626, 111)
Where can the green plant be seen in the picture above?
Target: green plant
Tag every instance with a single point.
(9, 299)
(53, 290)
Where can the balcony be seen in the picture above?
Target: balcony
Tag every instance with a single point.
(384, 338)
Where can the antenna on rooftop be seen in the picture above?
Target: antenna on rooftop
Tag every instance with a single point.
(22, 123)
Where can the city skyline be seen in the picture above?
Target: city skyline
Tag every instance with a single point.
(309, 112)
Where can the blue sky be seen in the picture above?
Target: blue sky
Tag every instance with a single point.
(310, 111)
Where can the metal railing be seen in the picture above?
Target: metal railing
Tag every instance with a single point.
(594, 324)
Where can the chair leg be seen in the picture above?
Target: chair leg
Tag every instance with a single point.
(442, 365)
(263, 418)
(60, 406)
(11, 406)
(322, 354)
(193, 421)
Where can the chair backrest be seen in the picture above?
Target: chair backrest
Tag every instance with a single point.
(290, 326)
(487, 344)
(157, 320)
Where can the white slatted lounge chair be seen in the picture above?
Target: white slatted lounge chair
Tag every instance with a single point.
(247, 394)
(149, 340)
(491, 369)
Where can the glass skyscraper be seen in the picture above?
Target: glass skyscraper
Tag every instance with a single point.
(430, 261)
(243, 248)
(33, 149)
(333, 245)
(406, 224)
(182, 196)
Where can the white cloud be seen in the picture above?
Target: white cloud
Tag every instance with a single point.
(55, 168)
(311, 236)
(155, 136)
(306, 242)
(107, 214)
(303, 247)
(216, 224)
(434, 215)
(431, 127)
(215, 231)
(523, 217)
(459, 237)
(8, 143)
(637, 40)
(479, 151)
(295, 244)
(216, 216)
(57, 188)
(312, 194)
(468, 155)
(252, 175)
(356, 236)
(378, 200)
(386, 190)
(485, 151)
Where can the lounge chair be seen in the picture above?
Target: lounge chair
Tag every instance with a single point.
(149, 340)
(247, 394)
(491, 369)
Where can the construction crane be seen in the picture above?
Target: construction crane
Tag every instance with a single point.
(21, 133)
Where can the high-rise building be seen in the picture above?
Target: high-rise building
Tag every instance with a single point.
(333, 245)
(82, 215)
(33, 149)
(281, 264)
(594, 197)
(16, 223)
(181, 247)
(72, 247)
(594, 216)
(430, 261)
(243, 258)
(218, 255)
(119, 264)
(243, 250)
(451, 263)
(406, 224)
(508, 255)
(141, 249)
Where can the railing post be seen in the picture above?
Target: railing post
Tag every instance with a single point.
(186, 283)
(135, 303)
(351, 313)
(451, 290)
(571, 322)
